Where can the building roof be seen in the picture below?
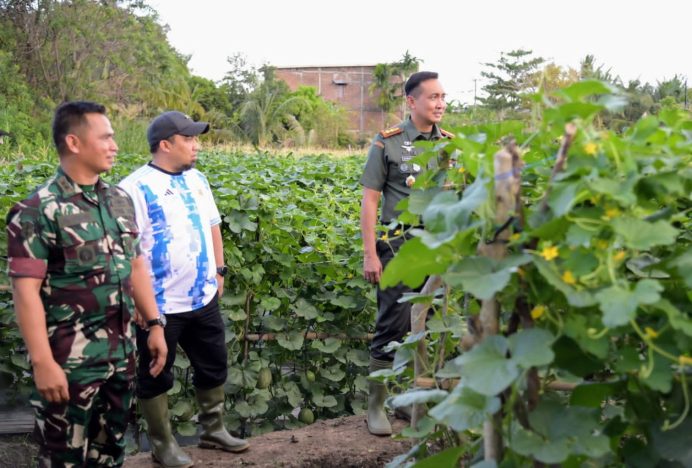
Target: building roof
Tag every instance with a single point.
(325, 66)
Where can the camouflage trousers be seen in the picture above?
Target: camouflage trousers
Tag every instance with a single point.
(88, 430)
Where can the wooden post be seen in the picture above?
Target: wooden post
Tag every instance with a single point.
(419, 312)
(508, 165)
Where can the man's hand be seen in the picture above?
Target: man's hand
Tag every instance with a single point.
(139, 319)
(372, 269)
(51, 382)
(219, 282)
(158, 350)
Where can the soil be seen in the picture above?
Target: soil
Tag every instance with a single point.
(344, 442)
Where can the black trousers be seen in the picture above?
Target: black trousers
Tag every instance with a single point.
(393, 320)
(201, 335)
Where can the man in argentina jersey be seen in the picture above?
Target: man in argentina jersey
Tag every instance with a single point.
(180, 230)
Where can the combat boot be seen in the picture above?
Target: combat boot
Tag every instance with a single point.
(214, 434)
(164, 447)
(378, 424)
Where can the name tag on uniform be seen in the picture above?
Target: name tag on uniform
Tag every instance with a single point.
(73, 219)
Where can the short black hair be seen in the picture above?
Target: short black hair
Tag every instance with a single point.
(69, 115)
(416, 79)
(154, 147)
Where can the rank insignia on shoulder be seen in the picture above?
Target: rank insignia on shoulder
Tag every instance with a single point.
(446, 134)
(391, 132)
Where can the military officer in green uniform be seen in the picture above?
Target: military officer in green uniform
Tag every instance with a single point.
(389, 174)
(77, 272)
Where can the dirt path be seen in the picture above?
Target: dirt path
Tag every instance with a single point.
(343, 442)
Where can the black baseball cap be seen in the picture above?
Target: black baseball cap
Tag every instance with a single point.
(173, 123)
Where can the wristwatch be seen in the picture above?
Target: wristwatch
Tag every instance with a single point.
(222, 270)
(160, 320)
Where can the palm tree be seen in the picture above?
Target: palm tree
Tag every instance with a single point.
(264, 114)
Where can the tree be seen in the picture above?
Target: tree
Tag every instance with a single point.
(240, 80)
(388, 81)
(515, 75)
(266, 112)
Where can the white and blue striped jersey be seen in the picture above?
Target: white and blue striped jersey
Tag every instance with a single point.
(175, 213)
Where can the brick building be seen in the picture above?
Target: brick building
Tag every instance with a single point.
(347, 85)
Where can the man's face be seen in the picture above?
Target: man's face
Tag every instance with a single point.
(95, 147)
(182, 152)
(427, 102)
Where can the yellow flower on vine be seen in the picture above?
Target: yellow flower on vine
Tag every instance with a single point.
(550, 252)
(612, 213)
(461, 170)
(651, 333)
(397, 232)
(685, 360)
(591, 148)
(384, 237)
(515, 237)
(568, 277)
(537, 312)
(602, 244)
(619, 255)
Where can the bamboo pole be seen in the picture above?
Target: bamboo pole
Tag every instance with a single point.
(308, 336)
(507, 164)
(419, 313)
(449, 384)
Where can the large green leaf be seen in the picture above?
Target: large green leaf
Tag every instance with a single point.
(413, 263)
(677, 319)
(448, 458)
(532, 347)
(291, 340)
(619, 190)
(324, 401)
(586, 88)
(328, 346)
(414, 397)
(575, 297)
(305, 309)
(562, 197)
(660, 378)
(483, 276)
(619, 304)
(642, 235)
(448, 214)
(465, 409)
(558, 432)
(486, 368)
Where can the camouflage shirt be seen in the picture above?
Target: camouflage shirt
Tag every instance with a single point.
(80, 240)
(389, 163)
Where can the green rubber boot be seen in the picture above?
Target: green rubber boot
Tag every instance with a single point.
(214, 434)
(378, 424)
(164, 447)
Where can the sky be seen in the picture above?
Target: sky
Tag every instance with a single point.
(635, 39)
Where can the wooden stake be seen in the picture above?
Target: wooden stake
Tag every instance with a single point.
(419, 312)
(308, 336)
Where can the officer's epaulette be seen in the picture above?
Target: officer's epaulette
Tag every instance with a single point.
(446, 134)
(391, 132)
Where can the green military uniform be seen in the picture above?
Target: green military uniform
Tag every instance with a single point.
(81, 240)
(387, 169)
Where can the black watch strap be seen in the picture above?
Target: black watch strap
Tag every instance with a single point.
(222, 270)
(157, 321)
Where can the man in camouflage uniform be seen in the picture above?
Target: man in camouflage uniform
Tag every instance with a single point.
(76, 273)
(390, 173)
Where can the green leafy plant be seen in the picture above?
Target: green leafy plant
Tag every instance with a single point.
(594, 292)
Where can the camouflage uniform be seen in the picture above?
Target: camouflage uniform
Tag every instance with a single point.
(388, 166)
(81, 241)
